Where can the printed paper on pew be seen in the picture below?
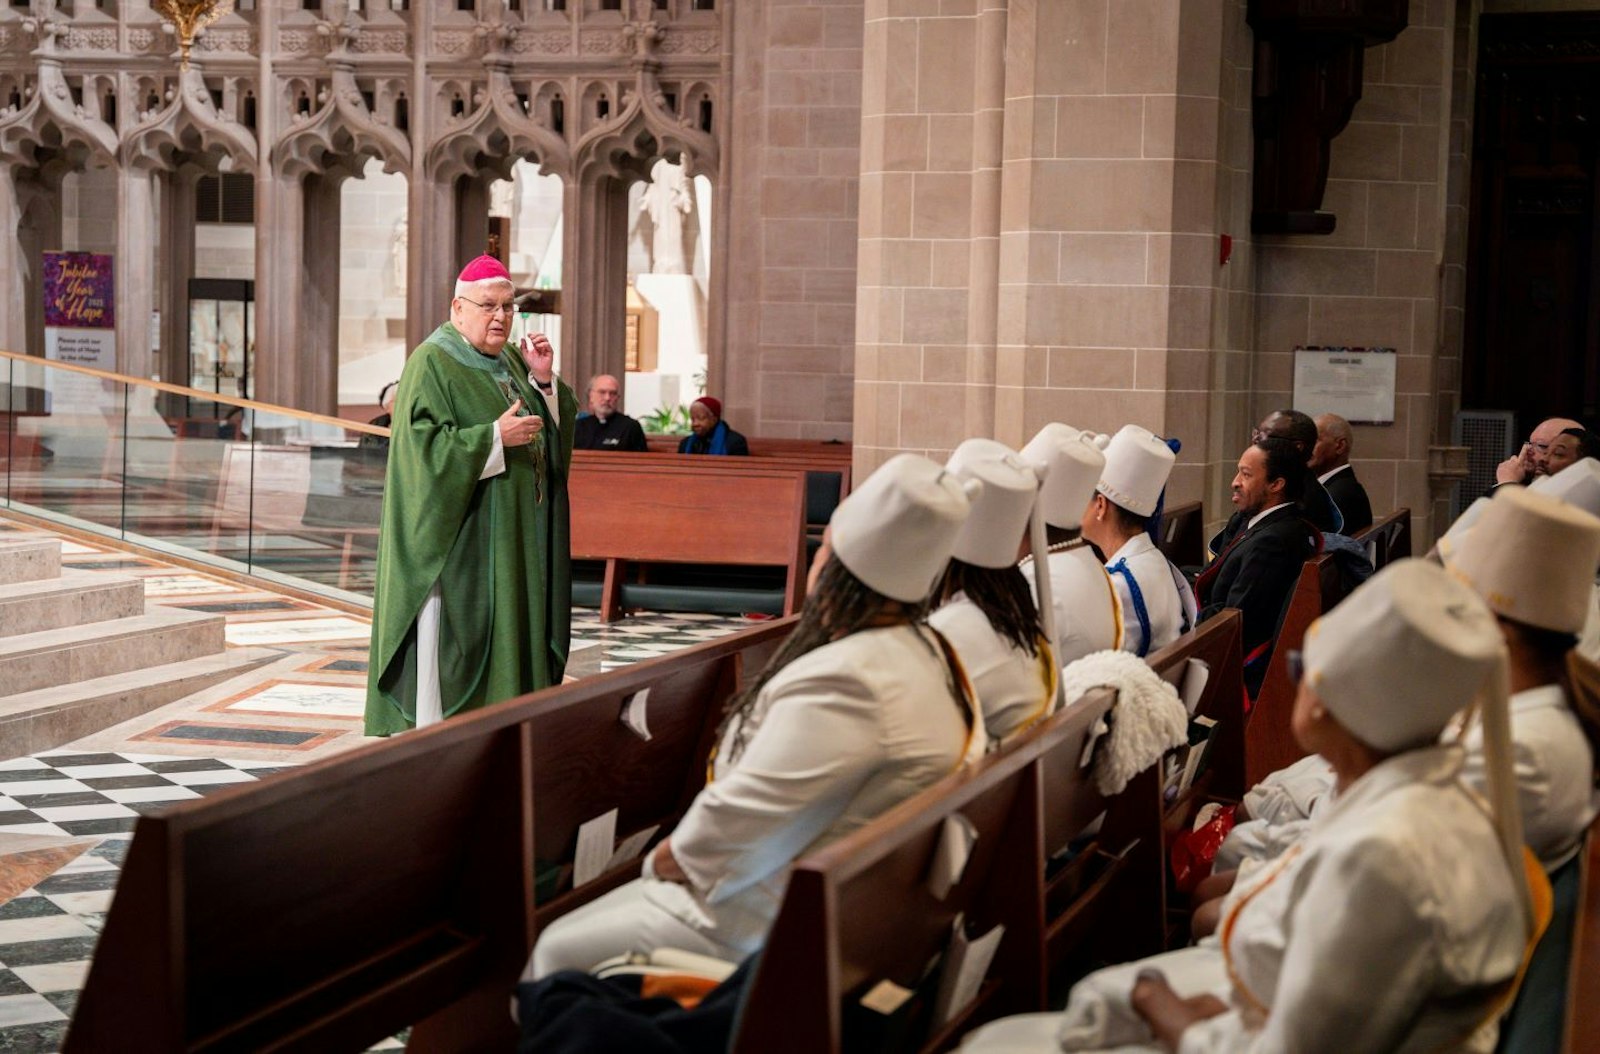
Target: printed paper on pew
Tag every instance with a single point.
(886, 997)
(956, 839)
(632, 846)
(1195, 675)
(1199, 742)
(966, 963)
(595, 841)
(633, 714)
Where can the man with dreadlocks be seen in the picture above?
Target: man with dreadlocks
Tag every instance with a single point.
(862, 707)
(988, 611)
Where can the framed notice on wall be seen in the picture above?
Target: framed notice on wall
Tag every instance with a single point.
(1355, 383)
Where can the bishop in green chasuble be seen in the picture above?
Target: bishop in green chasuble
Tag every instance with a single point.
(474, 587)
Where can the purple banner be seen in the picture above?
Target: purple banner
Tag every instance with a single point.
(78, 291)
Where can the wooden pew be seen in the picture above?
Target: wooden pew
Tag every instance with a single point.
(827, 479)
(1183, 534)
(1388, 539)
(1269, 743)
(859, 910)
(1583, 972)
(624, 514)
(328, 907)
(768, 446)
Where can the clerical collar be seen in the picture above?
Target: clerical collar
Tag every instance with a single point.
(450, 339)
(1332, 472)
(1264, 513)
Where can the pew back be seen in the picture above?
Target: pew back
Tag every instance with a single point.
(630, 514)
(860, 910)
(1269, 743)
(1388, 539)
(331, 906)
(1183, 534)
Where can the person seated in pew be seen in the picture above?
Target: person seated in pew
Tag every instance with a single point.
(987, 611)
(1567, 449)
(605, 426)
(1258, 568)
(709, 433)
(1316, 504)
(1153, 594)
(862, 706)
(1400, 922)
(1087, 616)
(1330, 464)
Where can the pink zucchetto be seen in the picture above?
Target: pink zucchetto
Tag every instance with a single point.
(482, 269)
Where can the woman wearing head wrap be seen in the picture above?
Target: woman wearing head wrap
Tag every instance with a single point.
(863, 706)
(709, 433)
(1400, 922)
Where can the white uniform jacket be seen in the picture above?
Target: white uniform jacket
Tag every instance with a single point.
(1553, 769)
(840, 735)
(1015, 689)
(1088, 617)
(1389, 928)
(1157, 603)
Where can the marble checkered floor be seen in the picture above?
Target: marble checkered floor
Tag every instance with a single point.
(67, 815)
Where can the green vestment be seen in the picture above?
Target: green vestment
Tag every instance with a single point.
(498, 547)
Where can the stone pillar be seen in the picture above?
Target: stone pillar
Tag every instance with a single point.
(136, 274)
(13, 279)
(280, 251)
(594, 278)
(38, 230)
(317, 389)
(431, 244)
(177, 191)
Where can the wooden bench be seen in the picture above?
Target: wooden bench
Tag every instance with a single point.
(827, 480)
(769, 446)
(860, 910)
(624, 514)
(1183, 534)
(328, 907)
(1583, 972)
(1388, 539)
(1269, 742)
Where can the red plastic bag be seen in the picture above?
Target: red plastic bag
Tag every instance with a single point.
(1194, 851)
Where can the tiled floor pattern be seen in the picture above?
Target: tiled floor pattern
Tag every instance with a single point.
(78, 804)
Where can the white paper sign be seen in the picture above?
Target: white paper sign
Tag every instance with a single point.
(956, 840)
(1195, 675)
(596, 840)
(632, 846)
(1355, 383)
(634, 714)
(965, 965)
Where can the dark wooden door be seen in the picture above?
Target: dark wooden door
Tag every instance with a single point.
(1532, 341)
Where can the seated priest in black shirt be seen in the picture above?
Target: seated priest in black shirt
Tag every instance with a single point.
(1330, 463)
(1258, 568)
(605, 427)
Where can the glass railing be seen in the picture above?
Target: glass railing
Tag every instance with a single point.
(265, 490)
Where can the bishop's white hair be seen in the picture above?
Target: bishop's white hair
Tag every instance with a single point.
(464, 288)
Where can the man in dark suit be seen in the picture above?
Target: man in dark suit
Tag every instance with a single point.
(1316, 504)
(1330, 463)
(1258, 568)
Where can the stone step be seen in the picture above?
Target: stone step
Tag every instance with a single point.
(75, 599)
(47, 718)
(28, 558)
(80, 653)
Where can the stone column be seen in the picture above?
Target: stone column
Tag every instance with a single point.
(280, 250)
(136, 274)
(13, 279)
(594, 278)
(177, 191)
(431, 245)
(317, 389)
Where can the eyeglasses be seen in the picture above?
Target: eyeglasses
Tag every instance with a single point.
(508, 308)
(1297, 665)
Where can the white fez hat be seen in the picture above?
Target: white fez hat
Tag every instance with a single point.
(896, 531)
(1531, 557)
(1577, 484)
(993, 530)
(1138, 463)
(1402, 654)
(1075, 461)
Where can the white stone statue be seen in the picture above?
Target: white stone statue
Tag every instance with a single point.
(397, 255)
(668, 200)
